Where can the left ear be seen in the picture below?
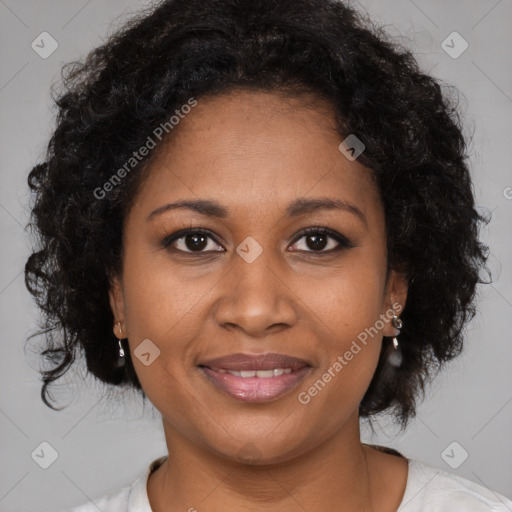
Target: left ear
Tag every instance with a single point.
(395, 298)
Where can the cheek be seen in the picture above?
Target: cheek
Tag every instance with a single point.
(350, 299)
(157, 308)
(348, 309)
(157, 298)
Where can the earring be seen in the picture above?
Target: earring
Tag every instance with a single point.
(121, 350)
(396, 322)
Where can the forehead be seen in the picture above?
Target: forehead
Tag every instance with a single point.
(252, 148)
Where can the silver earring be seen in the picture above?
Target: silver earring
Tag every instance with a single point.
(396, 322)
(121, 350)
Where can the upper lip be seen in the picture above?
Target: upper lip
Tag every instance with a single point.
(267, 361)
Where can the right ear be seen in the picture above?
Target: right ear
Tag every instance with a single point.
(116, 300)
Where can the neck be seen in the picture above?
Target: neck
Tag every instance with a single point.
(336, 472)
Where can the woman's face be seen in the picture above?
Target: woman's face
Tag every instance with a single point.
(254, 283)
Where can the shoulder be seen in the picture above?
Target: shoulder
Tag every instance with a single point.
(430, 488)
(114, 502)
(132, 498)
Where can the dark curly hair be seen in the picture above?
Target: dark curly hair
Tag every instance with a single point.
(114, 98)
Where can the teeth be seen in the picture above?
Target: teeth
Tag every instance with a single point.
(249, 373)
(260, 373)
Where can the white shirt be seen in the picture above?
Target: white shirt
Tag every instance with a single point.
(428, 489)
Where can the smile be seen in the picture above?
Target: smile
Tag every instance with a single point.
(255, 385)
(262, 374)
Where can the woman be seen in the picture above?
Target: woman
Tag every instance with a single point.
(268, 206)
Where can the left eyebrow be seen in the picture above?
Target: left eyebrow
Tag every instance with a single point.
(297, 207)
(303, 205)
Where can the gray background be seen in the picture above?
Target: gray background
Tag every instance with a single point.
(103, 444)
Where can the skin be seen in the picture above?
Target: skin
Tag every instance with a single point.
(254, 153)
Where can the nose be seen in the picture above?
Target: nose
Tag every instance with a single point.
(256, 297)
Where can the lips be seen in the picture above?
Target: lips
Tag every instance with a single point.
(255, 362)
(256, 377)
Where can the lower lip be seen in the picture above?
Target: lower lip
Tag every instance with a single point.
(255, 389)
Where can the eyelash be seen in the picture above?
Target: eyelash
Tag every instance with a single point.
(343, 242)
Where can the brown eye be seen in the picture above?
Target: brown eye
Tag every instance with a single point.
(317, 242)
(190, 241)
(321, 240)
(195, 242)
